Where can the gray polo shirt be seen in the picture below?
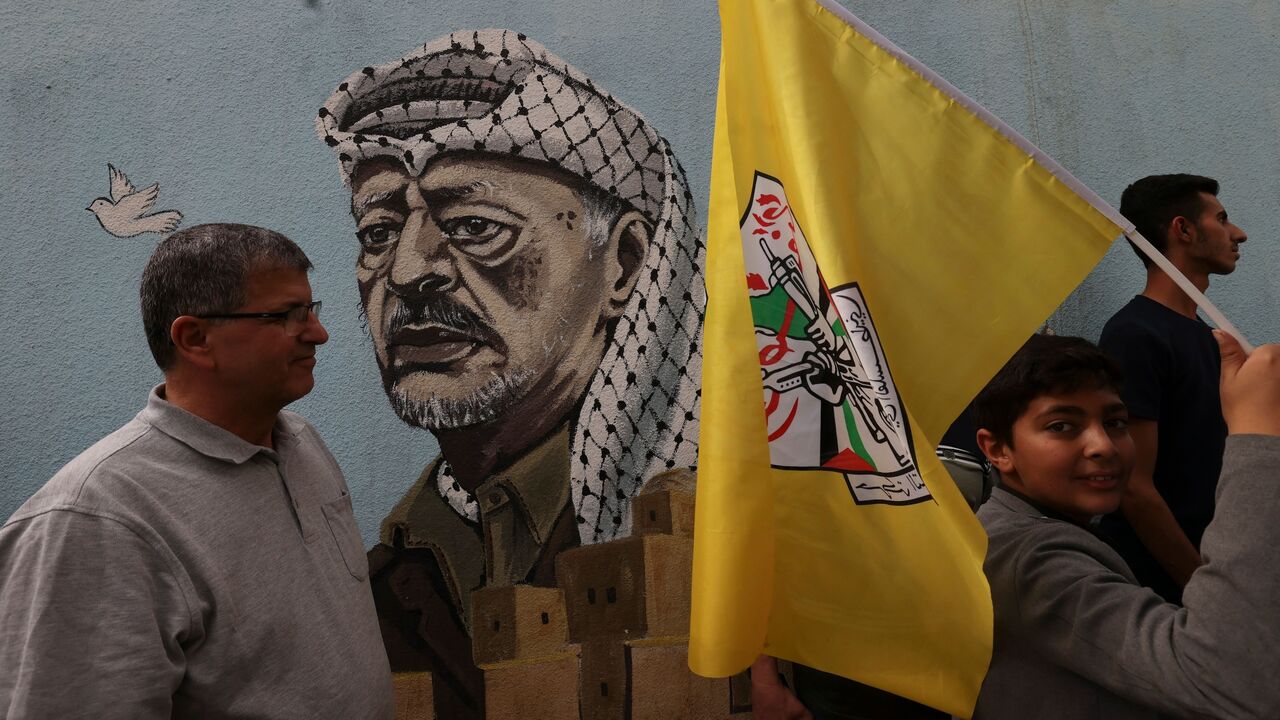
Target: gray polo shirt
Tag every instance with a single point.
(175, 570)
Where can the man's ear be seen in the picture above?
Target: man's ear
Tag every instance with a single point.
(628, 241)
(191, 341)
(997, 451)
(1181, 230)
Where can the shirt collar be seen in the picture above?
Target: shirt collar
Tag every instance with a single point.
(207, 438)
(1027, 506)
(537, 483)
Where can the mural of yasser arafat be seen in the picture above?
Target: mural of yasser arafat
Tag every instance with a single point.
(532, 282)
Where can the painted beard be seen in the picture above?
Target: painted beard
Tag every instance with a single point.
(480, 406)
(434, 412)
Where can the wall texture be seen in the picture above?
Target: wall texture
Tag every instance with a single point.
(216, 103)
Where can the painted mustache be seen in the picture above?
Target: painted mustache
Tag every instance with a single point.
(436, 332)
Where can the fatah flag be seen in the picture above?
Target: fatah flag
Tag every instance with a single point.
(879, 246)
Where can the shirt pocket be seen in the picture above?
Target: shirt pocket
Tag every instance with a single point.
(342, 524)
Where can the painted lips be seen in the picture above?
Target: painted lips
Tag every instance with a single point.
(430, 345)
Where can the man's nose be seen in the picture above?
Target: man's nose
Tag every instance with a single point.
(422, 262)
(313, 332)
(1238, 235)
(1099, 443)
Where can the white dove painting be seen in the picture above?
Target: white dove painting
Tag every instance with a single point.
(124, 214)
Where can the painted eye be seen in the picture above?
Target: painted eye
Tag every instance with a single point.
(479, 236)
(473, 229)
(376, 237)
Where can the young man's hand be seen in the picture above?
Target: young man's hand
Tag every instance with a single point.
(770, 699)
(1250, 387)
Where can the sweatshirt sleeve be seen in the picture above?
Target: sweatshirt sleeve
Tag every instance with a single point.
(92, 619)
(1214, 657)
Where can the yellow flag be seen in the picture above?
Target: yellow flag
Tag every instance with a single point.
(879, 245)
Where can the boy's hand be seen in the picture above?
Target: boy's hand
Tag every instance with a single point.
(770, 699)
(1250, 387)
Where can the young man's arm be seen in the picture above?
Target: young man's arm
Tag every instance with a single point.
(1148, 513)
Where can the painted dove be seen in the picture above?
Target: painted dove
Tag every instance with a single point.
(124, 214)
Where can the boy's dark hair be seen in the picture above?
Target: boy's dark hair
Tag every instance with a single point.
(1154, 201)
(1045, 364)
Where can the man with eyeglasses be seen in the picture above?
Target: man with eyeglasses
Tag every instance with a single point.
(202, 560)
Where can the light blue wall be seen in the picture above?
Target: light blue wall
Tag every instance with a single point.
(217, 104)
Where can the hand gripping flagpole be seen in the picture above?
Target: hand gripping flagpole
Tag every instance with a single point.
(1192, 291)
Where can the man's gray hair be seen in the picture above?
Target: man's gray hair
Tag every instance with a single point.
(600, 212)
(202, 270)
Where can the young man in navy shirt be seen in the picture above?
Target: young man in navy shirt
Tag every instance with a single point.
(1170, 364)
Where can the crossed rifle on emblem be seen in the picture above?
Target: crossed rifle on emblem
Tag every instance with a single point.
(831, 373)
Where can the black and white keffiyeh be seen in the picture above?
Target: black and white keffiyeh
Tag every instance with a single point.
(496, 91)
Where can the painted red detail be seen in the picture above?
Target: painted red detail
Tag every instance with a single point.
(771, 354)
(787, 316)
(755, 282)
(849, 461)
(785, 423)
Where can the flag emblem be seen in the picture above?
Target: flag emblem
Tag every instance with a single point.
(829, 400)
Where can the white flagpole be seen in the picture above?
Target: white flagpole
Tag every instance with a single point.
(1045, 161)
(1201, 301)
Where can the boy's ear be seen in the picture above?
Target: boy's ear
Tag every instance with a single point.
(996, 450)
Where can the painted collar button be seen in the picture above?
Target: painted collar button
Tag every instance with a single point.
(494, 499)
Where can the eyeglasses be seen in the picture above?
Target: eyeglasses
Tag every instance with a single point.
(295, 318)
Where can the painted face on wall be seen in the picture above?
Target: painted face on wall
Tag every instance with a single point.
(480, 284)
